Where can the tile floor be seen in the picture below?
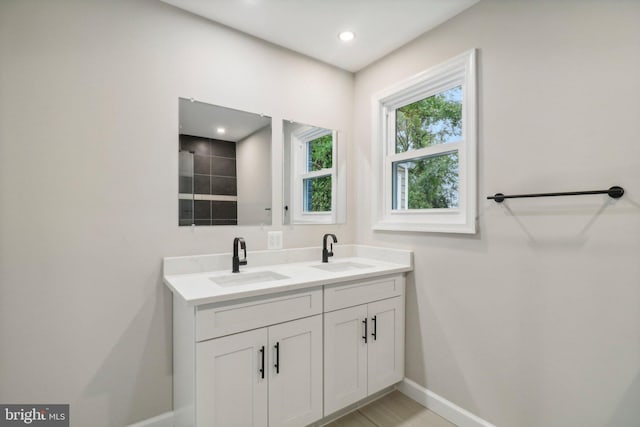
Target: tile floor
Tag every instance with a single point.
(393, 410)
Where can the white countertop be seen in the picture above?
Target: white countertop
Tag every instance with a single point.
(190, 277)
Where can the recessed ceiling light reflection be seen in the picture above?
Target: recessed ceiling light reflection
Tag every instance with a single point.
(346, 36)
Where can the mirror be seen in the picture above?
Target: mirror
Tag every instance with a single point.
(313, 175)
(224, 166)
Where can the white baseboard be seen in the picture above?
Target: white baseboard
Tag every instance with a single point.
(440, 405)
(162, 420)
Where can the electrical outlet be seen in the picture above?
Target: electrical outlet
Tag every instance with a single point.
(274, 240)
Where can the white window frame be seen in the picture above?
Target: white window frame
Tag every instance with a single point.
(299, 154)
(458, 71)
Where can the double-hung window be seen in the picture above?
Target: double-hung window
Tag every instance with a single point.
(425, 150)
(314, 180)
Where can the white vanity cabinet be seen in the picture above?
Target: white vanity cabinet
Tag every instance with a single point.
(363, 343)
(287, 359)
(270, 375)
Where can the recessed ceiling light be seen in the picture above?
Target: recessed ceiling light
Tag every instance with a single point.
(346, 36)
(221, 130)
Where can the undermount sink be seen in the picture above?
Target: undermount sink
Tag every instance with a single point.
(341, 266)
(247, 278)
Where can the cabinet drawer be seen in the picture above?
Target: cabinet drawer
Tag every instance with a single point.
(353, 293)
(215, 320)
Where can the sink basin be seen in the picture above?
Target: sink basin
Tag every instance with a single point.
(247, 278)
(341, 266)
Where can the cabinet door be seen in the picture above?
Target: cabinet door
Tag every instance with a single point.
(345, 358)
(295, 372)
(230, 389)
(386, 343)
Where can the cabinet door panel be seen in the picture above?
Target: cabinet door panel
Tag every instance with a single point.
(345, 358)
(295, 388)
(386, 350)
(230, 391)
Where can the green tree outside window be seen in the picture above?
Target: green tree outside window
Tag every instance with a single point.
(317, 191)
(432, 181)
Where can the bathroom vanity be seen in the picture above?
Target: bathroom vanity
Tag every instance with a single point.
(287, 341)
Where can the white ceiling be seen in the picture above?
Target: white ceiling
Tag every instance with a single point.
(311, 27)
(200, 119)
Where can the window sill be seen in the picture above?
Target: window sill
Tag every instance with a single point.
(425, 227)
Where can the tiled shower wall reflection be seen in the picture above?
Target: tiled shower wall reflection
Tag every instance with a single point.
(207, 186)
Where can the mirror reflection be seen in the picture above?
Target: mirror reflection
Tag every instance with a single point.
(310, 174)
(224, 166)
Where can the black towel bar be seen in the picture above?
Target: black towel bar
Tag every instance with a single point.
(613, 192)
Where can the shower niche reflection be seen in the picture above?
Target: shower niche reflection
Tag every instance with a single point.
(224, 166)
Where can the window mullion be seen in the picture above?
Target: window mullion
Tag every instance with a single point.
(430, 151)
(317, 174)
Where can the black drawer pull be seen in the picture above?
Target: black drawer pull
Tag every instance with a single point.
(277, 364)
(375, 328)
(262, 356)
(365, 330)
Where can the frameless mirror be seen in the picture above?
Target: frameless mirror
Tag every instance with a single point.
(313, 175)
(224, 166)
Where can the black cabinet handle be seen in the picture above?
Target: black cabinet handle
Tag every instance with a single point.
(365, 330)
(373, 333)
(262, 366)
(277, 364)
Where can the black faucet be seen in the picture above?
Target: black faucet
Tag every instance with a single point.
(327, 253)
(236, 261)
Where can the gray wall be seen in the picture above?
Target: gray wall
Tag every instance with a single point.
(253, 157)
(534, 321)
(89, 183)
